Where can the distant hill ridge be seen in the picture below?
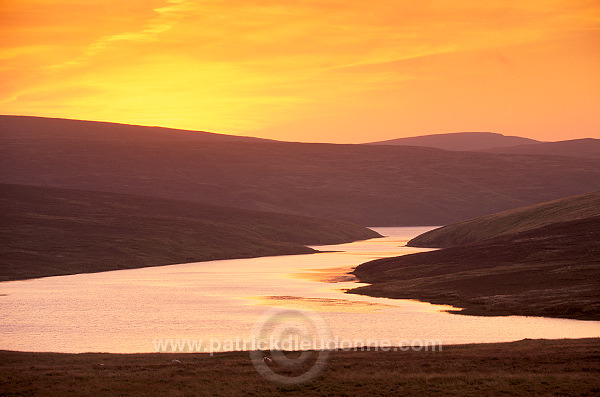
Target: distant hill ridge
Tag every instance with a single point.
(585, 147)
(460, 141)
(372, 185)
(19, 127)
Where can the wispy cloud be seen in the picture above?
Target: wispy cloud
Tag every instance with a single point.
(166, 18)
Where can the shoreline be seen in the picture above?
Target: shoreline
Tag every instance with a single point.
(463, 308)
(551, 271)
(161, 265)
(311, 250)
(55, 231)
(358, 349)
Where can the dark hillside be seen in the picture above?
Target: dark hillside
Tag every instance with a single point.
(47, 232)
(512, 221)
(366, 184)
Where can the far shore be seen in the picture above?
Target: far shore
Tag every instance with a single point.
(342, 276)
(158, 265)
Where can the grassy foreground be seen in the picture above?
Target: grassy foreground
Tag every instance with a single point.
(525, 368)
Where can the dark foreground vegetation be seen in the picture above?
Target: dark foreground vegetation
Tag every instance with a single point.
(524, 368)
(370, 185)
(49, 232)
(550, 271)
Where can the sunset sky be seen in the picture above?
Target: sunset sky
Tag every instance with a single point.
(308, 70)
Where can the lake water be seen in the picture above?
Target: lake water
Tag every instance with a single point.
(126, 311)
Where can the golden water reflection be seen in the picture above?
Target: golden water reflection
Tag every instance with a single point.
(328, 275)
(319, 305)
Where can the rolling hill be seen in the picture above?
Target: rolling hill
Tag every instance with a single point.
(49, 231)
(551, 271)
(512, 221)
(587, 147)
(30, 127)
(367, 184)
(460, 141)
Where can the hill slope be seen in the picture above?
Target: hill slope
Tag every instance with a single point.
(549, 271)
(20, 127)
(512, 221)
(366, 184)
(46, 232)
(460, 141)
(587, 147)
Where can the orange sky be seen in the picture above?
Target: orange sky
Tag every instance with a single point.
(308, 70)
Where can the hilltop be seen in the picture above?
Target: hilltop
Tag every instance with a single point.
(460, 141)
(31, 127)
(49, 231)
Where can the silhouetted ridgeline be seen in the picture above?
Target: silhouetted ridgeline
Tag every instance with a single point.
(512, 221)
(48, 231)
(27, 127)
(460, 141)
(366, 184)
